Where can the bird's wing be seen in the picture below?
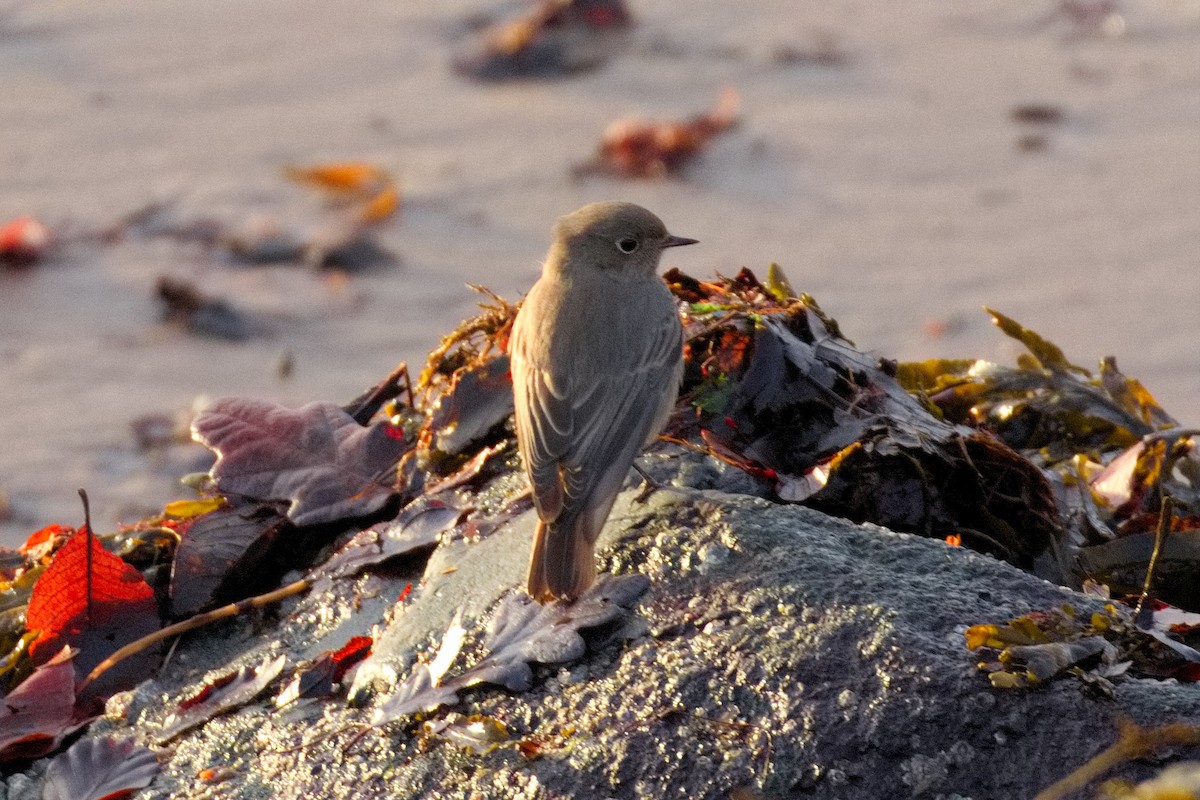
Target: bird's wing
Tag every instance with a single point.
(543, 418)
(612, 416)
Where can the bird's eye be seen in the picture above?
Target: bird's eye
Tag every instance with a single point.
(627, 245)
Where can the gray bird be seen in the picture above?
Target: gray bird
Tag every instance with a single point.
(597, 355)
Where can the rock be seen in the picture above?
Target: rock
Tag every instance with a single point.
(777, 653)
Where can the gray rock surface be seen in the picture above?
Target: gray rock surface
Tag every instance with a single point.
(777, 650)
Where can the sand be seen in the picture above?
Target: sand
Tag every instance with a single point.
(893, 186)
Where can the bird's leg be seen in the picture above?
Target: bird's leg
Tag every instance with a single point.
(649, 485)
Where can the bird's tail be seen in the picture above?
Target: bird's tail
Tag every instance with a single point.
(563, 563)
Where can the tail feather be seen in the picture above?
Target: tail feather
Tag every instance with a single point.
(563, 562)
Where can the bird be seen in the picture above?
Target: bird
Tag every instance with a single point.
(596, 357)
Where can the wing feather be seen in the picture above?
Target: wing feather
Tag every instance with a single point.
(616, 414)
(581, 425)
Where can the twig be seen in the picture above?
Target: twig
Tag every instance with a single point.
(198, 621)
(389, 388)
(87, 527)
(1165, 517)
(1133, 742)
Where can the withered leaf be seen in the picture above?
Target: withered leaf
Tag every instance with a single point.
(548, 39)
(635, 148)
(316, 458)
(98, 769)
(523, 631)
(475, 733)
(40, 712)
(1046, 352)
(221, 696)
(417, 529)
(808, 400)
(316, 679)
(216, 553)
(479, 398)
(423, 690)
(1037, 663)
(23, 241)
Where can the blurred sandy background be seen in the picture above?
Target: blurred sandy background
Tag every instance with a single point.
(891, 182)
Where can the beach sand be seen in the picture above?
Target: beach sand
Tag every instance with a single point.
(878, 161)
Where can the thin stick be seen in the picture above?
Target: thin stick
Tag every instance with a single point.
(1165, 517)
(198, 621)
(365, 407)
(87, 527)
(1133, 742)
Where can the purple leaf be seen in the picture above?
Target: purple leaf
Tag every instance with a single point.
(221, 696)
(94, 769)
(219, 549)
(317, 458)
(417, 529)
(523, 631)
(422, 689)
(40, 712)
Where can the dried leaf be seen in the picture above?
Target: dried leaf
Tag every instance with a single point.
(350, 655)
(523, 631)
(352, 177)
(778, 285)
(310, 680)
(417, 529)
(1048, 354)
(185, 305)
(316, 458)
(476, 733)
(633, 148)
(829, 426)
(190, 509)
(469, 471)
(1115, 483)
(100, 769)
(422, 690)
(220, 696)
(317, 678)
(218, 555)
(23, 241)
(369, 188)
(1131, 395)
(1037, 663)
(43, 542)
(552, 38)
(40, 712)
(478, 399)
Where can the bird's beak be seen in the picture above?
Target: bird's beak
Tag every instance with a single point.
(678, 241)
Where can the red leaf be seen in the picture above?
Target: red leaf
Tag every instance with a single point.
(317, 678)
(40, 712)
(122, 608)
(23, 241)
(44, 540)
(206, 692)
(350, 654)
